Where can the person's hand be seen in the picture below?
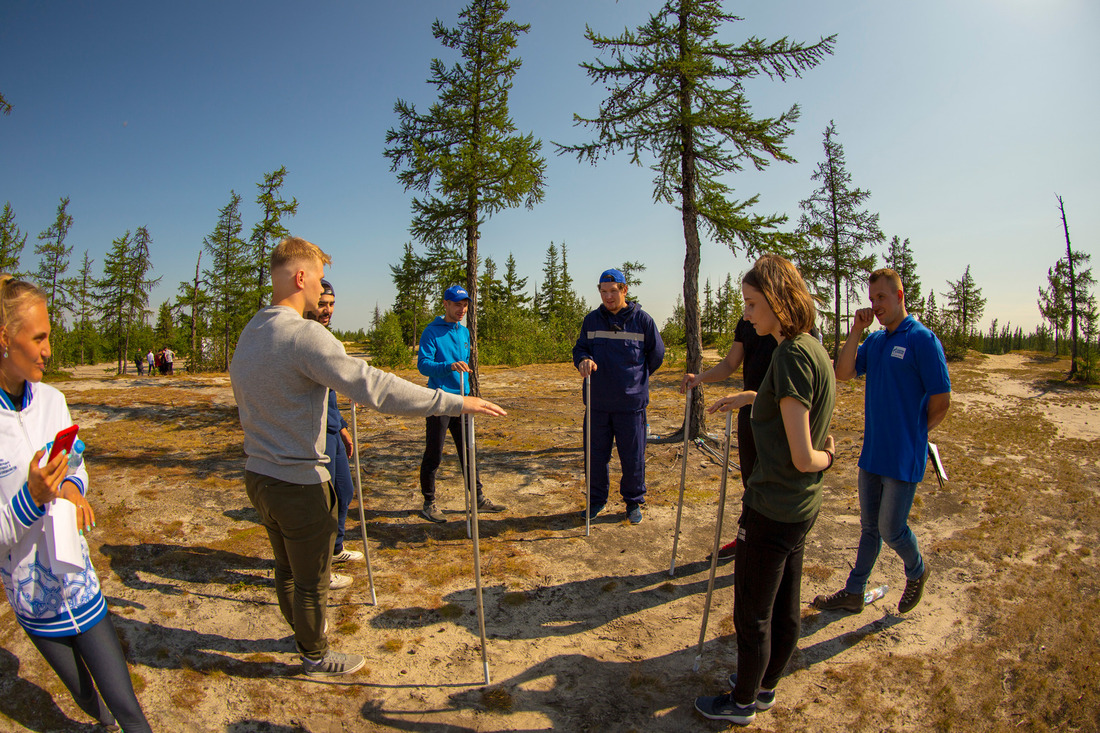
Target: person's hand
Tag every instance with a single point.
(345, 436)
(586, 367)
(43, 482)
(85, 517)
(476, 405)
(830, 445)
(691, 381)
(732, 402)
(461, 366)
(863, 319)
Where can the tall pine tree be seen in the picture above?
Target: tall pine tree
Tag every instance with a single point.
(677, 95)
(229, 278)
(840, 231)
(899, 258)
(269, 230)
(55, 261)
(12, 241)
(464, 154)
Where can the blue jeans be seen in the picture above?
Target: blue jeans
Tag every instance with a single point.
(884, 505)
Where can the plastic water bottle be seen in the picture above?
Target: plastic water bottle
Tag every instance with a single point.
(76, 455)
(875, 593)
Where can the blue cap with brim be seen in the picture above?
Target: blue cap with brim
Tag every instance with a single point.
(612, 276)
(326, 288)
(456, 293)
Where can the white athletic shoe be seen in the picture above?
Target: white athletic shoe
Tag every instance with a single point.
(338, 581)
(347, 555)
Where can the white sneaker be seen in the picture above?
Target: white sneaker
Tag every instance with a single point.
(347, 555)
(334, 663)
(338, 581)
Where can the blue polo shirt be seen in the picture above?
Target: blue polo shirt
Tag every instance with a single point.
(903, 369)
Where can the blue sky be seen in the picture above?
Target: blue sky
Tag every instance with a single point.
(962, 117)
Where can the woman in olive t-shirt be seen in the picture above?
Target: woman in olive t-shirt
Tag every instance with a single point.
(791, 413)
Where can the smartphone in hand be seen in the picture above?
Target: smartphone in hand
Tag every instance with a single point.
(63, 441)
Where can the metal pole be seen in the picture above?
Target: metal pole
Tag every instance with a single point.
(466, 459)
(471, 454)
(587, 455)
(362, 514)
(683, 479)
(717, 542)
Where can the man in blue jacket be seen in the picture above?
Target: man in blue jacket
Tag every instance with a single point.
(444, 359)
(619, 347)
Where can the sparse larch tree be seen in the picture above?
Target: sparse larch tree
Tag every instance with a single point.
(55, 260)
(899, 258)
(464, 154)
(12, 241)
(840, 230)
(270, 230)
(228, 280)
(677, 95)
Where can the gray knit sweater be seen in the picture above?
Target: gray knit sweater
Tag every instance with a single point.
(281, 371)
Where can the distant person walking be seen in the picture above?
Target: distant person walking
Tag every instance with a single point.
(444, 359)
(149, 360)
(59, 605)
(281, 372)
(139, 362)
(169, 359)
(618, 348)
(908, 393)
(791, 414)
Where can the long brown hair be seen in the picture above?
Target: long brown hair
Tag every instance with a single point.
(785, 290)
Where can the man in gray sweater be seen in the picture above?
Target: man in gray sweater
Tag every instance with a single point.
(282, 369)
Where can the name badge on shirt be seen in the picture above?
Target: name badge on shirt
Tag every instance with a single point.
(898, 352)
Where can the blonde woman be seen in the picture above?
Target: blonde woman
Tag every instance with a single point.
(63, 613)
(791, 413)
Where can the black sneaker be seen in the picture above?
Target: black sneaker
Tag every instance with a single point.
(726, 552)
(914, 589)
(842, 600)
(485, 504)
(765, 699)
(432, 514)
(594, 510)
(634, 512)
(723, 707)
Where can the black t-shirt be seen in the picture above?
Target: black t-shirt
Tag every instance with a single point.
(17, 400)
(758, 353)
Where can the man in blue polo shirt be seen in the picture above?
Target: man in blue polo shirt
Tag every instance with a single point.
(444, 359)
(619, 347)
(908, 393)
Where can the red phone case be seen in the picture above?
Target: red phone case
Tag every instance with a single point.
(63, 441)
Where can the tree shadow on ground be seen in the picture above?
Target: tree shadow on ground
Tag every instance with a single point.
(561, 610)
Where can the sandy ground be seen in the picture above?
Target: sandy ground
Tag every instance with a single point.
(584, 632)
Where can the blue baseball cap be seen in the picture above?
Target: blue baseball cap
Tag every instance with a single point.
(456, 294)
(326, 288)
(612, 276)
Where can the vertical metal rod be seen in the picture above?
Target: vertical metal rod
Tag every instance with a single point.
(471, 454)
(362, 514)
(587, 455)
(683, 479)
(717, 541)
(465, 459)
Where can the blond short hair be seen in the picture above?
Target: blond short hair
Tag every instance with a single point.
(293, 249)
(785, 290)
(16, 296)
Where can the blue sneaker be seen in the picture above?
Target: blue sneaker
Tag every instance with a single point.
(764, 698)
(723, 707)
(633, 512)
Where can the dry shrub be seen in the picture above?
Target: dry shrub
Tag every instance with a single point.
(496, 698)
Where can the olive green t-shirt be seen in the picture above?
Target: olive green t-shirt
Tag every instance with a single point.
(800, 369)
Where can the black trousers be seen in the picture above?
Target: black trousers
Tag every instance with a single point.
(95, 655)
(767, 583)
(435, 431)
